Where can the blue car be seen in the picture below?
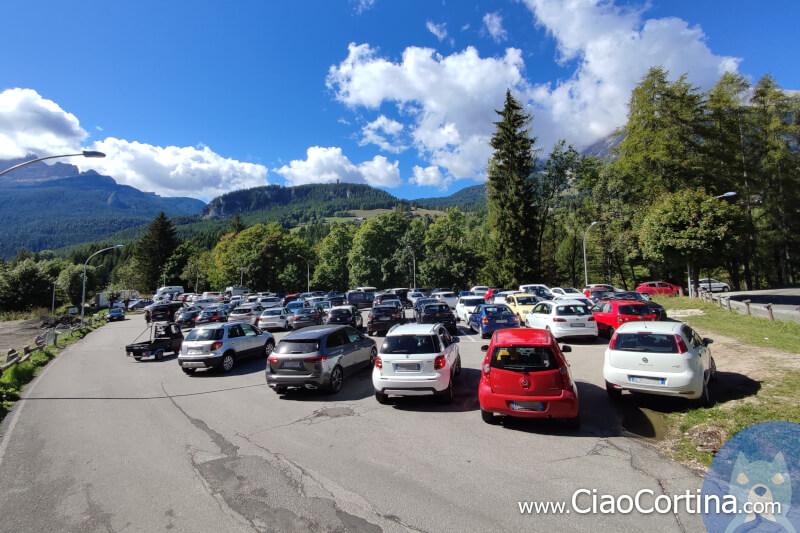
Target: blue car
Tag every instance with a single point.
(488, 318)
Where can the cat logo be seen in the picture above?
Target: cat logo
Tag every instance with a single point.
(761, 484)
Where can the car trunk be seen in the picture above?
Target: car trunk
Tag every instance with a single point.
(647, 351)
(410, 355)
(295, 357)
(525, 371)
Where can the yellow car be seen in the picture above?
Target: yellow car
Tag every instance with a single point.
(521, 303)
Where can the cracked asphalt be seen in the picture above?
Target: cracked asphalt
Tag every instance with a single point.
(103, 443)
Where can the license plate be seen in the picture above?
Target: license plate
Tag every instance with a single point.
(406, 367)
(576, 324)
(527, 406)
(195, 352)
(292, 364)
(647, 381)
(501, 321)
(385, 318)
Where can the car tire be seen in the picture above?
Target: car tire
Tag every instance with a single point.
(335, 382)
(457, 369)
(725, 289)
(159, 355)
(610, 332)
(446, 396)
(706, 399)
(487, 416)
(614, 393)
(269, 347)
(137, 357)
(188, 371)
(373, 354)
(713, 369)
(227, 363)
(280, 389)
(381, 398)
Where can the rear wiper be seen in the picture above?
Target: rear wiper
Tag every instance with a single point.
(633, 349)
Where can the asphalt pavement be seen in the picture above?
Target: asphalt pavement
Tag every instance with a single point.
(104, 443)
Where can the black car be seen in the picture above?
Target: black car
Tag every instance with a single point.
(345, 314)
(212, 314)
(439, 313)
(420, 303)
(336, 301)
(187, 316)
(383, 317)
(658, 309)
(360, 299)
(162, 312)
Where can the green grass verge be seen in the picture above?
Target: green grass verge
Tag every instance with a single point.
(778, 398)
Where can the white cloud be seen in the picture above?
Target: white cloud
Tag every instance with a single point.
(30, 124)
(326, 165)
(380, 132)
(364, 5)
(439, 30)
(493, 23)
(430, 176)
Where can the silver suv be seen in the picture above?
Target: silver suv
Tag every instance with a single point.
(246, 313)
(222, 346)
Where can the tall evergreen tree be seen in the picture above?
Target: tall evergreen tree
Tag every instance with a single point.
(509, 196)
(154, 249)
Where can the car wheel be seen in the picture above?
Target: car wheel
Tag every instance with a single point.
(227, 363)
(725, 289)
(382, 398)
(280, 389)
(373, 354)
(713, 368)
(335, 383)
(706, 399)
(457, 369)
(610, 332)
(159, 355)
(188, 371)
(487, 416)
(614, 393)
(446, 396)
(269, 347)
(522, 323)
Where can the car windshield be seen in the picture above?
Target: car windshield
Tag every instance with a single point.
(526, 300)
(634, 309)
(297, 346)
(434, 308)
(646, 342)
(523, 358)
(340, 312)
(496, 310)
(205, 334)
(272, 312)
(571, 310)
(410, 344)
(240, 312)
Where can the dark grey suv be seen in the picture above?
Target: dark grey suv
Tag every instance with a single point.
(319, 357)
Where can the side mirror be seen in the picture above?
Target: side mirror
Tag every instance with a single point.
(707, 341)
(566, 348)
(485, 347)
(456, 339)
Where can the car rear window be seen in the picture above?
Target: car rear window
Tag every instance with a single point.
(297, 346)
(340, 312)
(571, 310)
(523, 358)
(272, 312)
(526, 300)
(472, 302)
(305, 311)
(646, 342)
(410, 344)
(383, 310)
(496, 310)
(634, 310)
(203, 334)
(432, 309)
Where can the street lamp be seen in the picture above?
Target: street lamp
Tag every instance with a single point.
(414, 265)
(85, 153)
(585, 267)
(83, 292)
(308, 273)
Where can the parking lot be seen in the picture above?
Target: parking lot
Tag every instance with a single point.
(127, 442)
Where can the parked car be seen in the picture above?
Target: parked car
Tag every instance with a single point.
(319, 357)
(274, 318)
(304, 317)
(663, 358)
(439, 313)
(115, 313)
(587, 290)
(491, 293)
(345, 314)
(575, 297)
(658, 309)
(212, 314)
(479, 290)
(187, 316)
(420, 303)
(488, 318)
(521, 303)
(164, 337)
(296, 304)
(360, 299)
(382, 317)
(448, 297)
(525, 374)
(466, 305)
(417, 359)
(659, 287)
(223, 345)
(139, 304)
(336, 301)
(248, 313)
(595, 295)
(563, 318)
(537, 289)
(611, 314)
(162, 312)
(270, 301)
(713, 285)
(565, 291)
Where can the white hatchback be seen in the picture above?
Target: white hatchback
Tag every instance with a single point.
(563, 318)
(448, 297)
(664, 358)
(416, 360)
(465, 306)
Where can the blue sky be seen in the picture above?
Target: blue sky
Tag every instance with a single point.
(200, 98)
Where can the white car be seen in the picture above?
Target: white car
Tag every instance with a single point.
(479, 290)
(465, 306)
(416, 360)
(204, 302)
(716, 286)
(563, 318)
(414, 296)
(566, 291)
(448, 297)
(576, 297)
(274, 318)
(663, 358)
(500, 297)
(542, 291)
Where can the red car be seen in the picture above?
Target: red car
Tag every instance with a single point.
(659, 287)
(525, 375)
(609, 314)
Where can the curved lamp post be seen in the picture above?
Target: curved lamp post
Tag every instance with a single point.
(585, 267)
(83, 293)
(308, 273)
(85, 153)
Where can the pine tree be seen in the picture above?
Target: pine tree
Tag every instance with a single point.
(509, 195)
(154, 249)
(237, 226)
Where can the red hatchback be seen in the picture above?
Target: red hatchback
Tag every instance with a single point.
(525, 375)
(609, 314)
(659, 287)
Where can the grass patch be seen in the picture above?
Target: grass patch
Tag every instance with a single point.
(759, 332)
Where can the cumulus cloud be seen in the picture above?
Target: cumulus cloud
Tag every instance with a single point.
(30, 124)
(430, 176)
(449, 99)
(364, 5)
(493, 23)
(439, 30)
(383, 132)
(328, 164)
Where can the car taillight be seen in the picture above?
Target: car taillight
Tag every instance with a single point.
(516, 319)
(283, 317)
(590, 319)
(371, 316)
(612, 341)
(396, 315)
(216, 346)
(215, 317)
(378, 362)
(485, 320)
(565, 382)
(681, 345)
(314, 316)
(439, 362)
(559, 320)
(487, 368)
(317, 359)
(272, 359)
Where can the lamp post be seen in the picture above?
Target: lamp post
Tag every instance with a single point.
(85, 153)
(414, 265)
(308, 273)
(83, 292)
(585, 266)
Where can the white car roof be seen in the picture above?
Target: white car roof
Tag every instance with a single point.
(654, 326)
(412, 329)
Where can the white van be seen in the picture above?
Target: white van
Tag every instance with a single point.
(366, 289)
(174, 290)
(212, 295)
(236, 290)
